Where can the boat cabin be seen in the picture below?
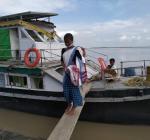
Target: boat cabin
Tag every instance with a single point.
(22, 32)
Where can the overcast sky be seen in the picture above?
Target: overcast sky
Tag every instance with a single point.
(94, 23)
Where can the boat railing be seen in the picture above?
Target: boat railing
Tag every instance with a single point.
(138, 67)
(92, 58)
(138, 71)
(94, 54)
(7, 54)
(47, 56)
(127, 68)
(52, 56)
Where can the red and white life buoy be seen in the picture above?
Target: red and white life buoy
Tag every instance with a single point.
(27, 57)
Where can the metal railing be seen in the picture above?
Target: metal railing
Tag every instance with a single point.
(52, 55)
(134, 65)
(47, 56)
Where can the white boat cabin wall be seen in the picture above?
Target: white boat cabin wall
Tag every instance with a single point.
(22, 81)
(22, 39)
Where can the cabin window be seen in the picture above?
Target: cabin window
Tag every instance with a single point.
(41, 34)
(2, 80)
(34, 36)
(18, 81)
(37, 82)
(23, 35)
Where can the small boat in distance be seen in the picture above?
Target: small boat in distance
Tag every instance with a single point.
(31, 75)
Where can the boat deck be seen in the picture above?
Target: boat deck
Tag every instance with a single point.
(21, 64)
(118, 84)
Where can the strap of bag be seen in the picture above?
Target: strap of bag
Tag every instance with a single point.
(71, 56)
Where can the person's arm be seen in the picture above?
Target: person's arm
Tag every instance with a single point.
(77, 54)
(62, 61)
(82, 57)
(114, 68)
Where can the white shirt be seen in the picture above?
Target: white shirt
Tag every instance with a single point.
(114, 68)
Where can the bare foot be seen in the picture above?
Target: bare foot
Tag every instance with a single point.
(72, 111)
(68, 109)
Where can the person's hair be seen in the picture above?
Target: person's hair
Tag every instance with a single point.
(112, 59)
(68, 35)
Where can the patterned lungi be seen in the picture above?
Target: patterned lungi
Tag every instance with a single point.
(71, 92)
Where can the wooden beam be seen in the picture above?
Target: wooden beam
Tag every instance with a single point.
(64, 128)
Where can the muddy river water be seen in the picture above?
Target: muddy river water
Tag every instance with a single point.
(37, 126)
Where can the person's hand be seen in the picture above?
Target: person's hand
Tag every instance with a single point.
(84, 53)
(67, 71)
(87, 80)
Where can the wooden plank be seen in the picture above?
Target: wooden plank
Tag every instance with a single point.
(64, 128)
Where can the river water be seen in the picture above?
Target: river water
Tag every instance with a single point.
(121, 54)
(37, 126)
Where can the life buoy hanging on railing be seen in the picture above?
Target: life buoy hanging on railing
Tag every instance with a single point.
(27, 57)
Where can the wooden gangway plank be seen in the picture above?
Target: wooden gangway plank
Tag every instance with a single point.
(64, 128)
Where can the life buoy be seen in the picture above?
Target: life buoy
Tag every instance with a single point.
(102, 63)
(27, 58)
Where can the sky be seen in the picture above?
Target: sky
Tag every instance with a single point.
(94, 23)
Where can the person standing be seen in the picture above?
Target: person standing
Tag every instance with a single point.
(73, 61)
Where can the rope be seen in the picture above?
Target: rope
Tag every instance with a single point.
(136, 81)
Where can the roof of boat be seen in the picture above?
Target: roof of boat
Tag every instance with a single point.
(27, 16)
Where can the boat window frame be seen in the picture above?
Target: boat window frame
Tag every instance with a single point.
(2, 73)
(40, 36)
(20, 75)
(31, 77)
(23, 35)
(26, 33)
(36, 34)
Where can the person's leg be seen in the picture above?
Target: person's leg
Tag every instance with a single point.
(72, 111)
(77, 100)
(66, 88)
(68, 109)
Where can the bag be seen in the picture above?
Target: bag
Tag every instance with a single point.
(83, 71)
(74, 74)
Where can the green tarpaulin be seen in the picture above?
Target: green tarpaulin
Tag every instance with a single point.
(5, 48)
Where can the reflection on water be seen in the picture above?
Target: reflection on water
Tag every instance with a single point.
(41, 126)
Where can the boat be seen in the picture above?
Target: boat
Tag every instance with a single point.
(31, 75)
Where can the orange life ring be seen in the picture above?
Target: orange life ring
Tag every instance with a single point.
(27, 58)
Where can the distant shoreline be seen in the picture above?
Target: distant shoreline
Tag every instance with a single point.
(140, 47)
